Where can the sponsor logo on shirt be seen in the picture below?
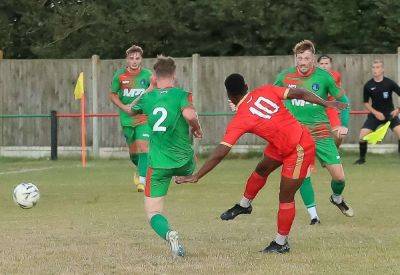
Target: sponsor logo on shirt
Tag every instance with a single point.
(301, 102)
(125, 81)
(132, 92)
(385, 94)
(163, 91)
(315, 87)
(373, 88)
(292, 86)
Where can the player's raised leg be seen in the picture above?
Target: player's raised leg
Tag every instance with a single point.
(255, 183)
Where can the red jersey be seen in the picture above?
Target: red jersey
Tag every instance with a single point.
(332, 113)
(263, 113)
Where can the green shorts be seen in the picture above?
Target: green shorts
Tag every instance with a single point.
(158, 179)
(140, 132)
(327, 152)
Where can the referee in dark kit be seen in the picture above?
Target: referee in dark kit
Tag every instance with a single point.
(378, 100)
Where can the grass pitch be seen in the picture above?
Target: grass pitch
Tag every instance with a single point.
(92, 221)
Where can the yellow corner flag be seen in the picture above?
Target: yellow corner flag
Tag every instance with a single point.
(78, 92)
(377, 135)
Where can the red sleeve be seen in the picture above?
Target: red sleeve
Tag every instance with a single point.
(236, 128)
(333, 115)
(281, 92)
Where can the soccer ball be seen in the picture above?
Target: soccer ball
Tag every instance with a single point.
(26, 195)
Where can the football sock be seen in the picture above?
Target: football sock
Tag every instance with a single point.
(142, 164)
(134, 159)
(160, 225)
(312, 211)
(337, 187)
(254, 184)
(307, 193)
(363, 149)
(337, 198)
(245, 202)
(280, 239)
(286, 214)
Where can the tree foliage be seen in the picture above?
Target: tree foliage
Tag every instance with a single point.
(81, 28)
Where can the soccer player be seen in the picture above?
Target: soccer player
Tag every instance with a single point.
(262, 112)
(127, 84)
(170, 115)
(339, 131)
(378, 91)
(312, 116)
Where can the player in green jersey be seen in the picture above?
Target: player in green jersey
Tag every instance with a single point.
(127, 84)
(170, 116)
(306, 75)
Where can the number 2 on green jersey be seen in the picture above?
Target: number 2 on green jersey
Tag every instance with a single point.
(157, 126)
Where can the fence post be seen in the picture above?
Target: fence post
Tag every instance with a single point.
(195, 93)
(95, 109)
(53, 134)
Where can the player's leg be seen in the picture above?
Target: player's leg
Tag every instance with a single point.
(158, 181)
(129, 133)
(254, 184)
(295, 168)
(308, 196)
(395, 126)
(141, 141)
(370, 125)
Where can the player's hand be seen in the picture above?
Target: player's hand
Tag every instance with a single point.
(336, 104)
(379, 116)
(127, 109)
(186, 179)
(395, 113)
(232, 106)
(340, 131)
(197, 133)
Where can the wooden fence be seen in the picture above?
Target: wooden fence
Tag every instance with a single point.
(39, 86)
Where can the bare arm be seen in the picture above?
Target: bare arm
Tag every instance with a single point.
(375, 112)
(218, 154)
(299, 93)
(114, 98)
(192, 119)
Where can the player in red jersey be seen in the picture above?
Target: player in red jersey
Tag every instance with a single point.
(325, 62)
(291, 146)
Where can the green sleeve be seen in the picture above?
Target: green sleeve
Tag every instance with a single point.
(279, 80)
(333, 89)
(345, 113)
(186, 100)
(115, 86)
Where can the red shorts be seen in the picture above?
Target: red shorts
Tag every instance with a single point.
(298, 163)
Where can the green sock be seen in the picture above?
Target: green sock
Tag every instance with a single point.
(307, 193)
(134, 159)
(160, 225)
(337, 187)
(142, 165)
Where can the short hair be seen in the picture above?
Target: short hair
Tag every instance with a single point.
(303, 46)
(134, 49)
(378, 61)
(164, 66)
(235, 84)
(324, 56)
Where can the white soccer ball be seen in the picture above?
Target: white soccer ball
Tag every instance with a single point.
(26, 195)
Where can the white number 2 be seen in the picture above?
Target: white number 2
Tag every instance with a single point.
(265, 108)
(164, 113)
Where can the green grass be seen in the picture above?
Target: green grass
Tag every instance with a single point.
(92, 221)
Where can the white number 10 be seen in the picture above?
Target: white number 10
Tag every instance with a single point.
(265, 108)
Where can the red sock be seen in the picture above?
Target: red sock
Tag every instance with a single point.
(254, 184)
(286, 213)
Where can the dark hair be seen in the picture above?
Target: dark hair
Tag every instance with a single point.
(324, 56)
(235, 84)
(165, 66)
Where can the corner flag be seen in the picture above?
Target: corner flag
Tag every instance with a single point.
(377, 135)
(79, 91)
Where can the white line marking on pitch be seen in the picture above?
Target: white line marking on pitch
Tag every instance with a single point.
(25, 170)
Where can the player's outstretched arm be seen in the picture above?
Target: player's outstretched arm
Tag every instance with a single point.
(218, 154)
(192, 119)
(114, 98)
(299, 93)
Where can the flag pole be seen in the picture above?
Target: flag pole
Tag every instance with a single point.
(83, 131)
